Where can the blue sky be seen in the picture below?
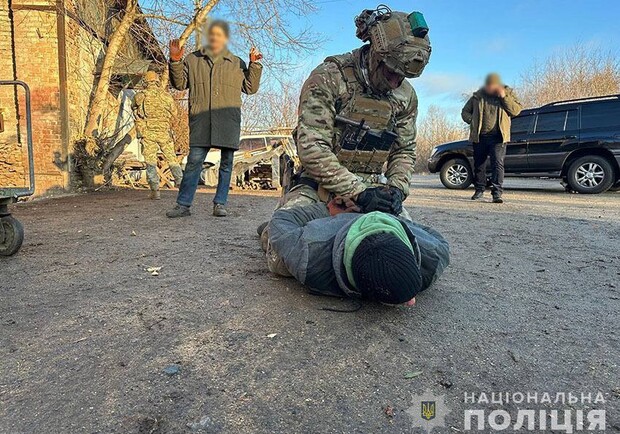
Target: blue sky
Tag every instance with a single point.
(472, 38)
(469, 38)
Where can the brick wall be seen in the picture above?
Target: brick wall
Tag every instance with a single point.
(34, 60)
(45, 46)
(11, 153)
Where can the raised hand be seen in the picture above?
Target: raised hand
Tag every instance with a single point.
(176, 50)
(255, 55)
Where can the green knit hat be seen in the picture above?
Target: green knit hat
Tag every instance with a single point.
(369, 224)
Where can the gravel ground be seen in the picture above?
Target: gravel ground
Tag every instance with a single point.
(530, 303)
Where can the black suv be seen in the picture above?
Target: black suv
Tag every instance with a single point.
(577, 141)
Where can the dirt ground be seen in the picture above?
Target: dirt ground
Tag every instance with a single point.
(530, 303)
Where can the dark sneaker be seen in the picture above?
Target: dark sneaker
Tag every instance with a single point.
(178, 211)
(477, 195)
(219, 210)
(497, 199)
(155, 195)
(261, 228)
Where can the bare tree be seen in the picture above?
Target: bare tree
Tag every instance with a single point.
(264, 23)
(580, 71)
(274, 108)
(435, 128)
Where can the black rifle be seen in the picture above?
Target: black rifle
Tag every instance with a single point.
(358, 136)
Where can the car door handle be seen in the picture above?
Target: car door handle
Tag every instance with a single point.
(569, 137)
(521, 141)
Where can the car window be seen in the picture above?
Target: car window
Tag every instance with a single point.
(600, 115)
(273, 141)
(549, 122)
(252, 144)
(572, 120)
(521, 124)
(244, 145)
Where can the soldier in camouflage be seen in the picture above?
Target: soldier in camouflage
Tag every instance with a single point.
(154, 110)
(366, 85)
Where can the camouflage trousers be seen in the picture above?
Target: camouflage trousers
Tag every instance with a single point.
(300, 195)
(151, 146)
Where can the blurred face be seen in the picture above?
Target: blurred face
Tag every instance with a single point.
(492, 83)
(490, 88)
(217, 39)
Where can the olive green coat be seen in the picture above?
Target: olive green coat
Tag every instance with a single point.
(510, 107)
(215, 95)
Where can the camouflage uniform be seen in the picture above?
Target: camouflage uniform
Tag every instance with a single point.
(353, 86)
(334, 88)
(154, 109)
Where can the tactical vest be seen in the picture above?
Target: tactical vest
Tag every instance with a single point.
(359, 104)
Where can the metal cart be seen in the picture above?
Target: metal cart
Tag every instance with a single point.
(11, 230)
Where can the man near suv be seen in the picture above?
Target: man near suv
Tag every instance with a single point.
(488, 113)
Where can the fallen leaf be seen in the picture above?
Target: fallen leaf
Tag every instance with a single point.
(134, 234)
(153, 270)
(272, 335)
(412, 374)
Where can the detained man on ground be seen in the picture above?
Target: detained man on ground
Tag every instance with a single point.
(335, 250)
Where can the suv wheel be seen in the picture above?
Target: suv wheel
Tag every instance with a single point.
(590, 174)
(456, 174)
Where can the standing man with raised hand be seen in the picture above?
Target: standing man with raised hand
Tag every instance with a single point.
(488, 113)
(215, 78)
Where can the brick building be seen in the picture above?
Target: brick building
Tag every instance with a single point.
(56, 47)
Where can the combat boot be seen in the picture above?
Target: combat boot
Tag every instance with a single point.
(178, 211)
(497, 198)
(154, 195)
(219, 210)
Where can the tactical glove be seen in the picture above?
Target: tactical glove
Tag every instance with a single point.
(397, 200)
(375, 199)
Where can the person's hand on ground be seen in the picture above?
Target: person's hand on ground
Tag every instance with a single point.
(409, 303)
(375, 199)
(176, 50)
(341, 204)
(255, 55)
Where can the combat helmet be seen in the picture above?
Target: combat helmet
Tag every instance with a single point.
(397, 39)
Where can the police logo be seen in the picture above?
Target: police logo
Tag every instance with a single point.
(427, 411)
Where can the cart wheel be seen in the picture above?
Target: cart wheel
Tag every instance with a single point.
(11, 236)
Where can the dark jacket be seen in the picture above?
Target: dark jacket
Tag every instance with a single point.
(510, 107)
(215, 95)
(311, 243)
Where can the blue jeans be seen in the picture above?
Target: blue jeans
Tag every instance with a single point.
(191, 175)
